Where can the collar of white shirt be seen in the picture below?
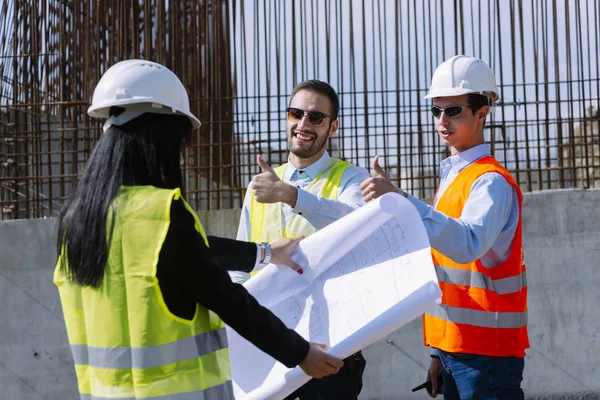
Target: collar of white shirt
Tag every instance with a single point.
(313, 170)
(461, 160)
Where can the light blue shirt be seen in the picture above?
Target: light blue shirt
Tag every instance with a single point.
(318, 211)
(487, 225)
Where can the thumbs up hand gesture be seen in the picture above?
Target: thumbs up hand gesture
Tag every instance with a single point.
(377, 185)
(268, 188)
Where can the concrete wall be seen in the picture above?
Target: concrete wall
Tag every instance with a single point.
(35, 359)
(562, 249)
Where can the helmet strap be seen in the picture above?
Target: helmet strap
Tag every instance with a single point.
(135, 110)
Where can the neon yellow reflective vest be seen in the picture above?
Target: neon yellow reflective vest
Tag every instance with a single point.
(267, 219)
(126, 343)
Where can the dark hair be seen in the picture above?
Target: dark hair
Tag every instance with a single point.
(143, 151)
(476, 101)
(322, 88)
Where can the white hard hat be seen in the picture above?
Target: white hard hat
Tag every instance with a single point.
(462, 75)
(140, 87)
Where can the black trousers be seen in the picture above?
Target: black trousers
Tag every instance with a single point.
(345, 385)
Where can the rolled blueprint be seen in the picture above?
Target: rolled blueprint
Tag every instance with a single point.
(365, 276)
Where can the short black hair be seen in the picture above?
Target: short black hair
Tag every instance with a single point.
(322, 88)
(476, 101)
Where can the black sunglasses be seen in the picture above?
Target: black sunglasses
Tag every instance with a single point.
(451, 111)
(314, 117)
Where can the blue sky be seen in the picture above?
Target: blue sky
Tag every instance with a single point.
(425, 37)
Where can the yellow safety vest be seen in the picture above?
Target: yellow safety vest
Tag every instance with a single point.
(126, 343)
(267, 219)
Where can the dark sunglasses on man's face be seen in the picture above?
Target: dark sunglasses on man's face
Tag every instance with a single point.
(451, 111)
(314, 117)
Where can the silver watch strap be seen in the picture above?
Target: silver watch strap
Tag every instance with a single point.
(267, 247)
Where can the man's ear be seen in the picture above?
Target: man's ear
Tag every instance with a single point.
(483, 112)
(334, 127)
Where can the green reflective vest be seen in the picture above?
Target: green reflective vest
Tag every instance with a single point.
(267, 219)
(126, 343)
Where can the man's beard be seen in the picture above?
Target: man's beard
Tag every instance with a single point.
(314, 148)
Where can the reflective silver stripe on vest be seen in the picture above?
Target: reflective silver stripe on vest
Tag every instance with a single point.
(486, 319)
(154, 356)
(478, 280)
(219, 392)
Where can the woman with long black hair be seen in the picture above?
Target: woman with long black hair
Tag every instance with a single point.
(143, 288)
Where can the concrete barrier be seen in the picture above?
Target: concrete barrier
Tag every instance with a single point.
(562, 249)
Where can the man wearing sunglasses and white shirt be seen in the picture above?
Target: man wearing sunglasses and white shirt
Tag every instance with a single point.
(309, 192)
(478, 334)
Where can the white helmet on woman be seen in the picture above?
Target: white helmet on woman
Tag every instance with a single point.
(139, 86)
(462, 75)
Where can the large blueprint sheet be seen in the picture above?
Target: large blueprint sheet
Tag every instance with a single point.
(365, 276)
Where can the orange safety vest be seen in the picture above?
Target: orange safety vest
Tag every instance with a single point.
(483, 310)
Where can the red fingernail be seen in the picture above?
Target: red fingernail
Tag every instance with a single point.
(300, 271)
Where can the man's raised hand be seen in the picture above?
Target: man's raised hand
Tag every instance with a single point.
(268, 188)
(377, 185)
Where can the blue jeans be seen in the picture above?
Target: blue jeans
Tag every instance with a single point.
(477, 377)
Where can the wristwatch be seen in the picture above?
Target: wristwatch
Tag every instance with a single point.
(267, 247)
